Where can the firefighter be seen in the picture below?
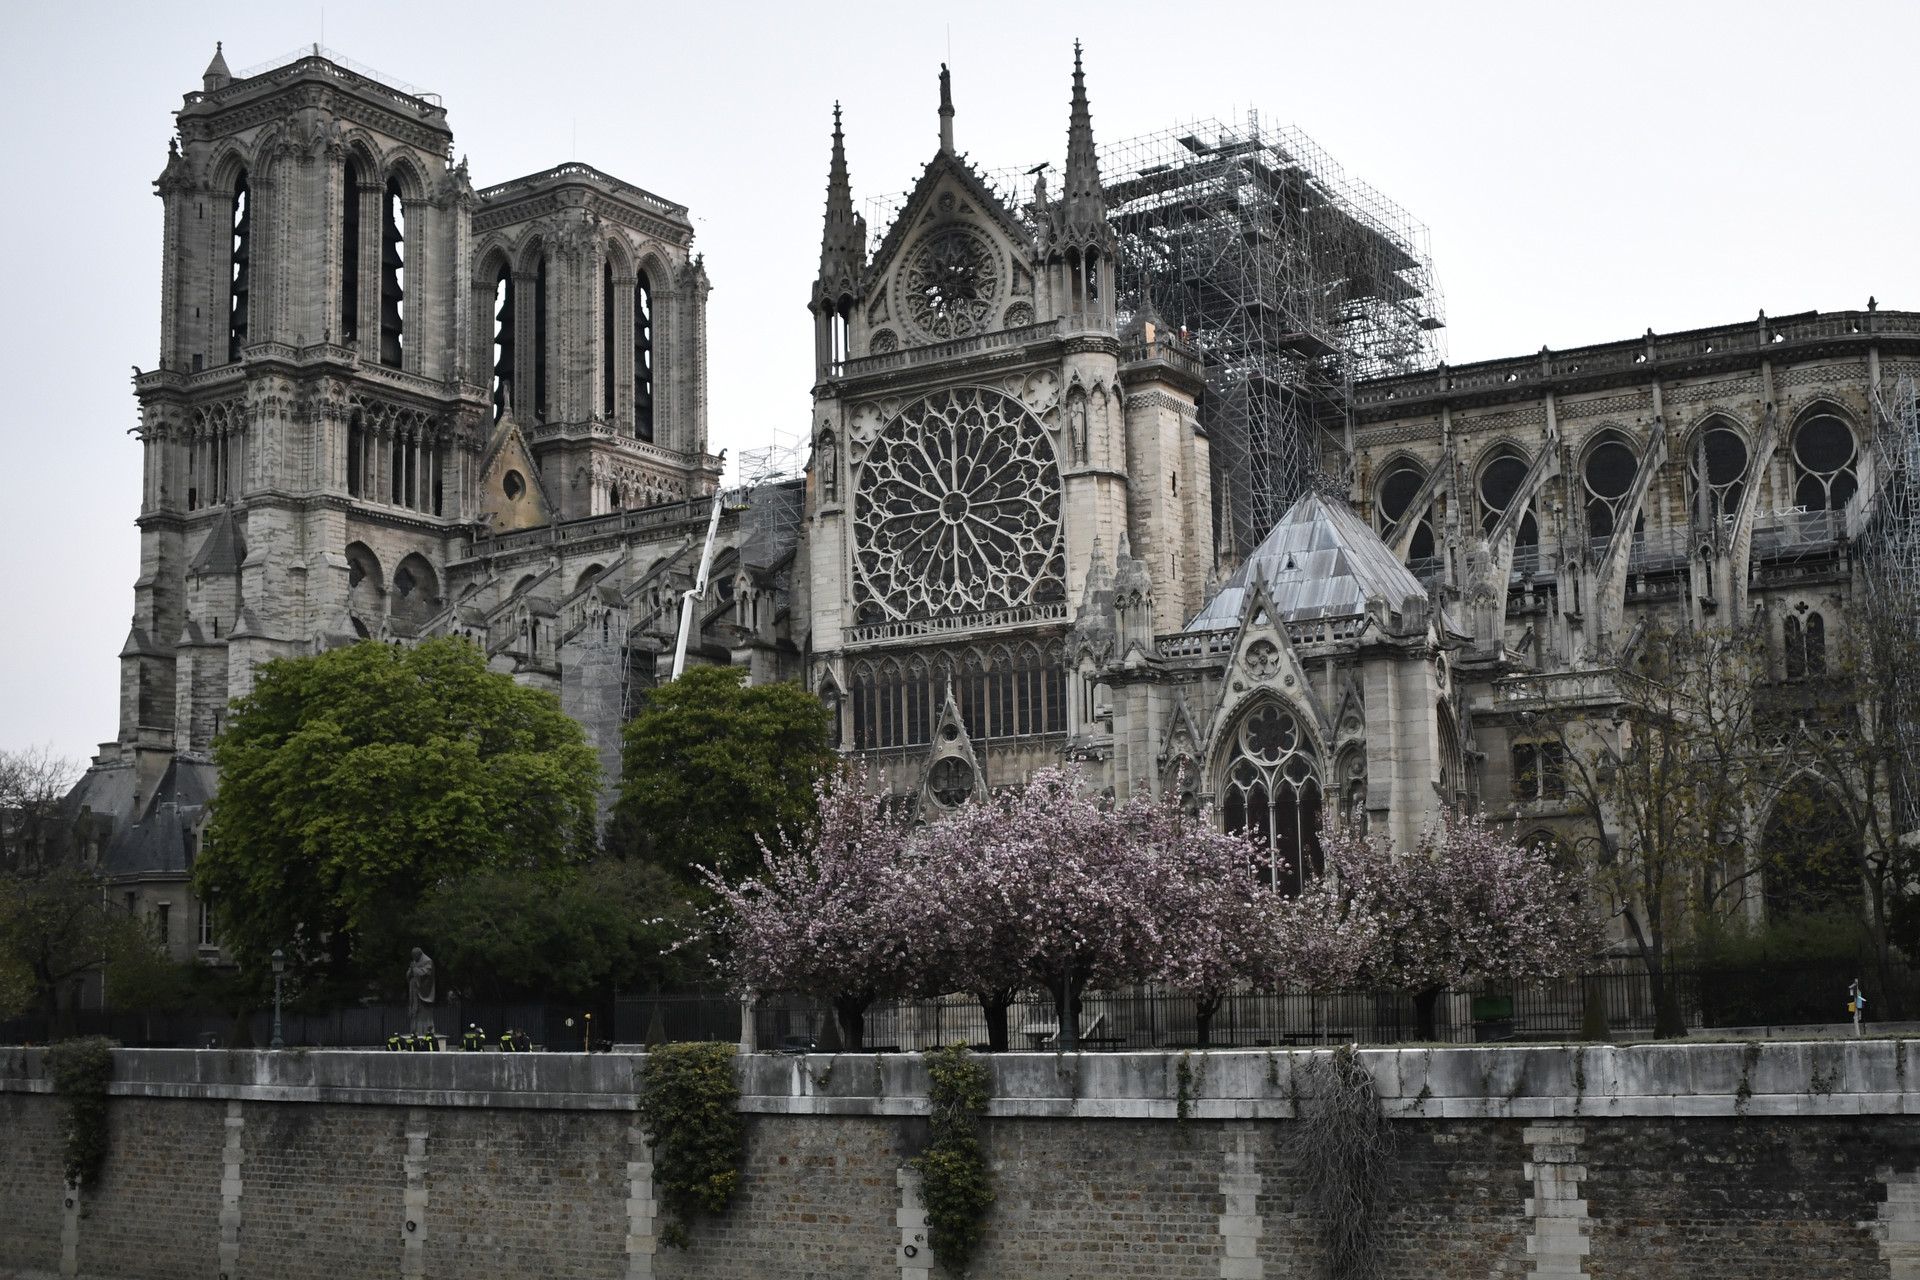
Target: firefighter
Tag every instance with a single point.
(474, 1040)
(393, 1043)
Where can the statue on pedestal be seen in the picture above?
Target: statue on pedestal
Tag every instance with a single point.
(420, 992)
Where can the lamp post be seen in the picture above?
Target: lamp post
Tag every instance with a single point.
(279, 967)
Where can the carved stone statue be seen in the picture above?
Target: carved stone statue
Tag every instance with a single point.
(420, 992)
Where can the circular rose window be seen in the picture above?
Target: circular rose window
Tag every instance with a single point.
(951, 283)
(957, 510)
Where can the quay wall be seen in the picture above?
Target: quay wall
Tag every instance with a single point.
(1762, 1160)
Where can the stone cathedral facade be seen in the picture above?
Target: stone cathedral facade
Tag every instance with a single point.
(390, 405)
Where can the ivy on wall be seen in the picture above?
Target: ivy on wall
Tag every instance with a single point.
(82, 1069)
(953, 1171)
(688, 1106)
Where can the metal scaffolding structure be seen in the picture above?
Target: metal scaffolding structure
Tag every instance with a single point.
(1292, 279)
(1886, 524)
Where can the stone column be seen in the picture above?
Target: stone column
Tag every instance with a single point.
(1559, 1239)
(642, 1208)
(1898, 1228)
(230, 1189)
(914, 1255)
(1240, 1228)
(413, 1230)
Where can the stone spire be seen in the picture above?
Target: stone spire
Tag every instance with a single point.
(1084, 203)
(843, 241)
(216, 75)
(946, 110)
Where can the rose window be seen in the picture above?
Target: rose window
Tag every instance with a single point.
(951, 282)
(957, 511)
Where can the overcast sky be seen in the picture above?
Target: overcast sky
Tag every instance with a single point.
(1585, 172)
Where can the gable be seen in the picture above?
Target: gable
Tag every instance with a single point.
(955, 263)
(510, 488)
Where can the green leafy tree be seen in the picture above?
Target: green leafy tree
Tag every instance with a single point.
(513, 935)
(55, 927)
(354, 782)
(711, 766)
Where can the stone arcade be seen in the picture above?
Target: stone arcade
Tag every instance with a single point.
(390, 405)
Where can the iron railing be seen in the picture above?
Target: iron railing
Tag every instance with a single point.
(1136, 1019)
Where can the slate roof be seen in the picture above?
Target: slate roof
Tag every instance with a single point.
(1320, 561)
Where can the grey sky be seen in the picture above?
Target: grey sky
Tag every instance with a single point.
(1586, 172)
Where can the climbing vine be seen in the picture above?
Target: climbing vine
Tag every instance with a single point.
(689, 1108)
(953, 1171)
(1342, 1134)
(82, 1070)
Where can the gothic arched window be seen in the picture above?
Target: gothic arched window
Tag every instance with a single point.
(1392, 496)
(350, 256)
(241, 282)
(1272, 792)
(1826, 457)
(1717, 469)
(606, 340)
(540, 341)
(643, 357)
(1500, 481)
(502, 342)
(393, 274)
(1608, 476)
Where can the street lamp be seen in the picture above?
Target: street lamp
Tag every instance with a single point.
(279, 967)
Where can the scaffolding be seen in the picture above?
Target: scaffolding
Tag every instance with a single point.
(1885, 519)
(1293, 280)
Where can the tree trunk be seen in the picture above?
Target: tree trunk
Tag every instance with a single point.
(1668, 1022)
(993, 1007)
(1593, 1009)
(1204, 1007)
(1425, 1024)
(852, 1012)
(1066, 1011)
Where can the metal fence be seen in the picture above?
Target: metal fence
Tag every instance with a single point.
(362, 1027)
(1138, 1018)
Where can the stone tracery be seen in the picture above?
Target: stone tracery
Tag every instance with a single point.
(958, 510)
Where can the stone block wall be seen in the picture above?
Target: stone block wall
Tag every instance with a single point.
(1788, 1161)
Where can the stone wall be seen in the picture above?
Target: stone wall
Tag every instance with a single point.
(1749, 1161)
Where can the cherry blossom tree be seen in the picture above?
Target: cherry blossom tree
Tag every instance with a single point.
(1215, 912)
(833, 914)
(1044, 885)
(1467, 904)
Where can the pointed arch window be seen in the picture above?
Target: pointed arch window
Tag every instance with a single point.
(356, 458)
(1608, 477)
(393, 275)
(1826, 456)
(240, 284)
(350, 256)
(502, 342)
(643, 357)
(540, 341)
(1717, 471)
(1500, 482)
(1392, 497)
(606, 340)
(1272, 793)
(1805, 645)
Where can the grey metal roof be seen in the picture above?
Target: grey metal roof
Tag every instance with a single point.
(1320, 561)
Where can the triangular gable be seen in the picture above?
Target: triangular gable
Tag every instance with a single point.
(945, 165)
(951, 743)
(1264, 662)
(528, 507)
(1320, 561)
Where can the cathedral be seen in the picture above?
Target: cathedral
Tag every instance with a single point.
(1033, 526)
